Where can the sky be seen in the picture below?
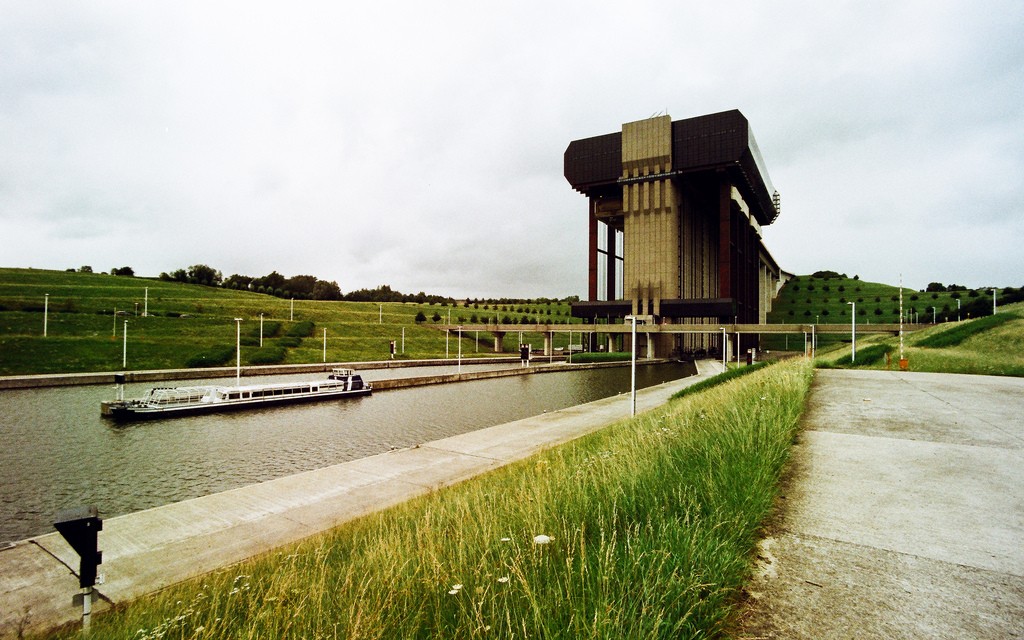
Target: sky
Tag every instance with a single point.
(420, 144)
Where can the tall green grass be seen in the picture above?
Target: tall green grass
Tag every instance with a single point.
(964, 330)
(651, 528)
(721, 378)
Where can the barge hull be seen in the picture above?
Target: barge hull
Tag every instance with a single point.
(118, 412)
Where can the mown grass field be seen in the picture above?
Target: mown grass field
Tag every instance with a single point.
(650, 530)
(87, 315)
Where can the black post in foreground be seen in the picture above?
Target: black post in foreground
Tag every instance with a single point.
(80, 527)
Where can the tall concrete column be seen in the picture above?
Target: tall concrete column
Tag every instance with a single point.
(592, 254)
(548, 344)
(724, 237)
(499, 338)
(612, 260)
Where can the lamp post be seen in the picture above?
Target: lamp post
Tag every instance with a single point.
(725, 348)
(124, 347)
(459, 367)
(901, 320)
(46, 314)
(325, 345)
(261, 329)
(238, 352)
(993, 302)
(958, 309)
(632, 378)
(933, 314)
(853, 331)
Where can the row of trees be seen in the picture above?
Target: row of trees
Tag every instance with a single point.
(312, 288)
(301, 286)
(116, 271)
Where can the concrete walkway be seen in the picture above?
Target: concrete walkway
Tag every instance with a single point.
(149, 550)
(903, 513)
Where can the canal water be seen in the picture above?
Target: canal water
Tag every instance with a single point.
(57, 452)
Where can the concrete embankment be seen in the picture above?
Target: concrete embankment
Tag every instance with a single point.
(149, 550)
(401, 383)
(163, 375)
(903, 514)
(72, 379)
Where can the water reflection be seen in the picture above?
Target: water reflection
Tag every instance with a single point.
(58, 452)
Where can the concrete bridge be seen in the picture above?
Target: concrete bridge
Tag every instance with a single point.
(612, 331)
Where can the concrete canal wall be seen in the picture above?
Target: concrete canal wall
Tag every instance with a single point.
(72, 379)
(163, 375)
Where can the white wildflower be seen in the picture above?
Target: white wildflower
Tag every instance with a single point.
(541, 539)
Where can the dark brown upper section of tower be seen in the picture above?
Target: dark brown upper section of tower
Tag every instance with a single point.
(717, 142)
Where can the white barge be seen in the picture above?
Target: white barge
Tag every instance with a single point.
(169, 402)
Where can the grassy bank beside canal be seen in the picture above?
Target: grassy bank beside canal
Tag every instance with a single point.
(645, 529)
(85, 316)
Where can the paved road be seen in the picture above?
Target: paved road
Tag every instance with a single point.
(149, 550)
(903, 514)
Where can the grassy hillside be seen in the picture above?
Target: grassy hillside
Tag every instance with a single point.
(195, 324)
(825, 301)
(811, 300)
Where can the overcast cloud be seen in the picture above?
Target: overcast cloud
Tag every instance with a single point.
(420, 144)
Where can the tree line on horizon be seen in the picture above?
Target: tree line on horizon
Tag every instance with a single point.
(307, 287)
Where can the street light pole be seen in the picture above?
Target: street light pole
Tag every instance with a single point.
(853, 331)
(238, 352)
(46, 314)
(933, 314)
(993, 302)
(459, 368)
(958, 309)
(632, 379)
(725, 349)
(261, 329)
